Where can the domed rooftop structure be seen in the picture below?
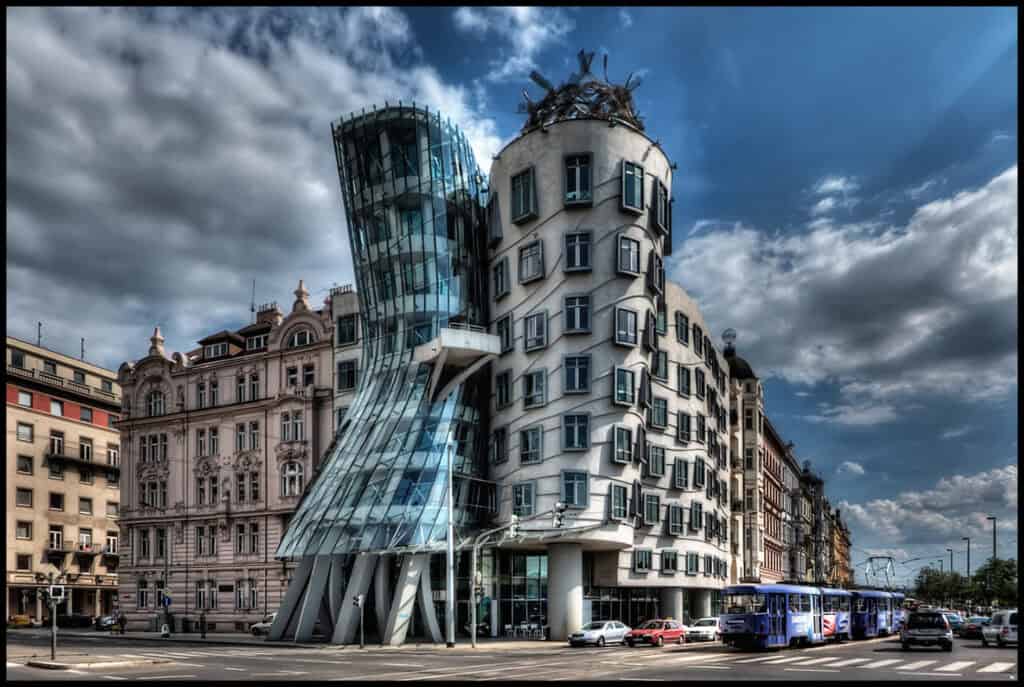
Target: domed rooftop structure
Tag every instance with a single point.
(738, 367)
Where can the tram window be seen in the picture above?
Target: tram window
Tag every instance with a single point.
(794, 603)
(745, 603)
(844, 604)
(861, 606)
(805, 603)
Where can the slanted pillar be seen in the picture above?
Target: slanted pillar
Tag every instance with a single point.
(312, 599)
(427, 606)
(404, 598)
(289, 608)
(358, 583)
(565, 589)
(336, 585)
(382, 592)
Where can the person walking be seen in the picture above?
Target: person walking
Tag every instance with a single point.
(202, 624)
(121, 620)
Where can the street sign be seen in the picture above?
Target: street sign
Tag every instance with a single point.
(167, 601)
(57, 592)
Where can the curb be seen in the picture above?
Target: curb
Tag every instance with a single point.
(53, 665)
(189, 640)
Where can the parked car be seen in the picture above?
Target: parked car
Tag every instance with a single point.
(956, 622)
(657, 633)
(105, 622)
(600, 632)
(927, 628)
(972, 627)
(263, 626)
(705, 629)
(1002, 630)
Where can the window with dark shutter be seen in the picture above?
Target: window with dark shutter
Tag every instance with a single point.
(493, 220)
(524, 197)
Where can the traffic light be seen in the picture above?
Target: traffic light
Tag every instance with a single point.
(559, 514)
(357, 600)
(513, 530)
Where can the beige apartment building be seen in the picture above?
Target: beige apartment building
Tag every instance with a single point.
(344, 307)
(219, 443)
(63, 481)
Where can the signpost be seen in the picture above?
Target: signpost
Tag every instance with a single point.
(357, 601)
(54, 595)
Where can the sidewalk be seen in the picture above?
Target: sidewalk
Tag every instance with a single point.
(92, 662)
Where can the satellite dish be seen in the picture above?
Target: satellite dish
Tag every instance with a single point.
(729, 336)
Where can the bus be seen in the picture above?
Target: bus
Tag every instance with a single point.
(766, 616)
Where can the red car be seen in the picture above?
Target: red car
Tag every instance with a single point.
(657, 633)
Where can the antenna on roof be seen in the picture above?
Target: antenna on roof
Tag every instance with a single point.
(83, 348)
(252, 306)
(39, 333)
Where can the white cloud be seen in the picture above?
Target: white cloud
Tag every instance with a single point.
(177, 153)
(955, 507)
(956, 432)
(625, 18)
(836, 184)
(850, 467)
(879, 309)
(824, 205)
(527, 30)
(803, 394)
(917, 192)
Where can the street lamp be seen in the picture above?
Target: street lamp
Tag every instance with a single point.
(450, 582)
(950, 559)
(991, 567)
(968, 540)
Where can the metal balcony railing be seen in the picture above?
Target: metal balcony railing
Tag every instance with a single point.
(72, 452)
(58, 381)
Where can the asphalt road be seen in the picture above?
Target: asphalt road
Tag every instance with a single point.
(865, 660)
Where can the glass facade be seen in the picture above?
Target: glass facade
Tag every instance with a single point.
(413, 198)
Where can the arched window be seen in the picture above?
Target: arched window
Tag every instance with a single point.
(291, 479)
(303, 337)
(155, 403)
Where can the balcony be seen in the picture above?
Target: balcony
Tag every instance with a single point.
(71, 452)
(463, 343)
(87, 550)
(58, 381)
(59, 549)
(109, 552)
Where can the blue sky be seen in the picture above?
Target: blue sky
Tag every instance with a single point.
(845, 199)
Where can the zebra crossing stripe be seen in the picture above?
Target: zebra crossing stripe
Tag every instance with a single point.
(812, 661)
(755, 660)
(916, 665)
(886, 662)
(997, 667)
(848, 662)
(785, 660)
(953, 667)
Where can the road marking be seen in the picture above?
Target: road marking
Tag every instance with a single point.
(887, 662)
(230, 668)
(848, 662)
(916, 665)
(996, 667)
(710, 667)
(13, 665)
(115, 677)
(943, 674)
(755, 660)
(813, 661)
(163, 677)
(402, 665)
(811, 670)
(959, 665)
(788, 659)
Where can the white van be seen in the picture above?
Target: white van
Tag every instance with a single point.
(1002, 630)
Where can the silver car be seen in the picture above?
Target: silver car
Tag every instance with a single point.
(599, 633)
(705, 629)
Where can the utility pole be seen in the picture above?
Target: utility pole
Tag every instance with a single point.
(450, 586)
(950, 559)
(39, 333)
(991, 568)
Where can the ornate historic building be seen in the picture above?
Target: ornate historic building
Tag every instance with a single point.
(218, 445)
(344, 307)
(63, 481)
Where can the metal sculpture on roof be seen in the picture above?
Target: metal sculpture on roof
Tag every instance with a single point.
(583, 96)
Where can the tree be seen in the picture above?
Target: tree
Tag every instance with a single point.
(995, 582)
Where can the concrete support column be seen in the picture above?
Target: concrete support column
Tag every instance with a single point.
(39, 605)
(382, 591)
(672, 603)
(404, 599)
(96, 603)
(702, 603)
(359, 579)
(565, 589)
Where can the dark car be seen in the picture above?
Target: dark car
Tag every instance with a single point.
(956, 622)
(105, 622)
(972, 628)
(927, 628)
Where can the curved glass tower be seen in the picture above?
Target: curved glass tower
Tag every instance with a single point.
(413, 199)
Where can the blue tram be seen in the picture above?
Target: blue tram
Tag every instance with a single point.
(899, 614)
(835, 618)
(763, 616)
(872, 613)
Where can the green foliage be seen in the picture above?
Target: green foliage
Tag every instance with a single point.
(991, 583)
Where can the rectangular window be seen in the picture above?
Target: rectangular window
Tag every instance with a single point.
(629, 256)
(652, 509)
(85, 414)
(660, 367)
(239, 389)
(17, 359)
(696, 516)
(699, 380)
(240, 538)
(619, 500)
(655, 461)
(684, 380)
(625, 327)
(49, 367)
(254, 486)
(576, 432)
(25, 399)
(503, 389)
(523, 499)
(577, 315)
(669, 562)
(57, 408)
(503, 328)
(681, 476)
(292, 376)
(240, 436)
(632, 186)
(655, 273)
(659, 413)
(682, 328)
(347, 330)
(575, 493)
(254, 343)
(494, 233)
(625, 386)
(698, 472)
(23, 530)
(499, 445)
(641, 560)
(577, 374)
(531, 445)
(536, 328)
(25, 466)
(214, 391)
(623, 449)
(577, 251)
(201, 394)
(661, 205)
(500, 276)
(56, 501)
(346, 375)
(25, 432)
(215, 350)
(748, 418)
(748, 458)
(286, 427)
(254, 387)
(698, 340)
(23, 497)
(531, 261)
(308, 375)
(254, 537)
(577, 179)
(675, 520)
(535, 392)
(701, 428)
(650, 332)
(214, 441)
(85, 476)
(524, 199)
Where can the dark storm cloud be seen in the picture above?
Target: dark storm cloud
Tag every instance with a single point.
(159, 160)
